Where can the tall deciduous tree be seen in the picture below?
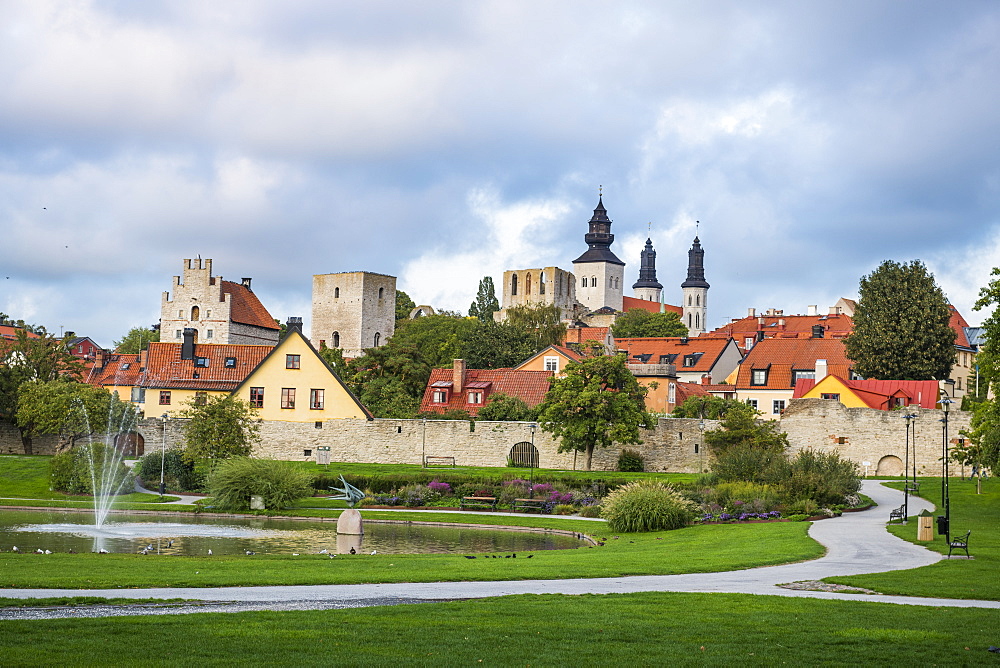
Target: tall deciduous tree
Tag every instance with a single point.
(598, 402)
(543, 321)
(740, 427)
(136, 340)
(640, 322)
(72, 410)
(403, 305)
(901, 329)
(486, 303)
(707, 407)
(493, 345)
(220, 428)
(984, 432)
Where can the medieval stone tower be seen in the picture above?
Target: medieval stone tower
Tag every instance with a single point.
(695, 291)
(353, 310)
(599, 273)
(218, 311)
(647, 287)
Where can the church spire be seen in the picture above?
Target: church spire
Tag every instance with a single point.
(696, 267)
(647, 268)
(599, 237)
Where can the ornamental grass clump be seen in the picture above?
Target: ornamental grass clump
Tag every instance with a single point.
(647, 505)
(235, 480)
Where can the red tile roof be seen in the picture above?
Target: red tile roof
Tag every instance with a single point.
(780, 356)
(958, 323)
(684, 391)
(10, 332)
(529, 386)
(878, 393)
(119, 370)
(775, 325)
(584, 334)
(245, 308)
(708, 350)
(629, 303)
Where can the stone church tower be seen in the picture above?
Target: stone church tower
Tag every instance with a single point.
(352, 311)
(599, 273)
(647, 287)
(218, 311)
(695, 291)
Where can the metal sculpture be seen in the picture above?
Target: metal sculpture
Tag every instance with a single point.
(349, 493)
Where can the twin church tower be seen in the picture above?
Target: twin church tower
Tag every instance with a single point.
(598, 280)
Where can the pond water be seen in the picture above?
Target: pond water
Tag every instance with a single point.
(195, 535)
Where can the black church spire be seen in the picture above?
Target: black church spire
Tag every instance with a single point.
(599, 238)
(647, 268)
(696, 267)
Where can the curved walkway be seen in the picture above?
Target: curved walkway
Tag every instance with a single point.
(856, 543)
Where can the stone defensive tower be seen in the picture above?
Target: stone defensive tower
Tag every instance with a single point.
(352, 311)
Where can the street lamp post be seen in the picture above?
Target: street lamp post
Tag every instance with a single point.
(906, 467)
(945, 496)
(163, 454)
(701, 444)
(531, 463)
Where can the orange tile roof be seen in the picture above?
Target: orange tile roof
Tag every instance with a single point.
(529, 386)
(10, 332)
(629, 303)
(878, 393)
(772, 325)
(780, 356)
(683, 391)
(584, 334)
(958, 323)
(245, 308)
(675, 351)
(165, 369)
(120, 370)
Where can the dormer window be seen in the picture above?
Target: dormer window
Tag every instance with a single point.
(475, 397)
(758, 377)
(126, 365)
(230, 362)
(441, 391)
(201, 361)
(802, 374)
(552, 363)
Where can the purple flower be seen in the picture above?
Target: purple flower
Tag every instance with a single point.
(439, 487)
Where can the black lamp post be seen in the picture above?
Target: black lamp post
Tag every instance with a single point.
(906, 467)
(531, 463)
(945, 496)
(163, 454)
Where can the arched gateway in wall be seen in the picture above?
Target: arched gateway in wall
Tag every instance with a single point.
(523, 454)
(889, 465)
(131, 444)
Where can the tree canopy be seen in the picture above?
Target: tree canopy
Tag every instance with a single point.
(596, 403)
(136, 340)
(494, 345)
(542, 321)
(502, 407)
(639, 322)
(740, 427)
(486, 303)
(707, 407)
(901, 325)
(984, 431)
(72, 410)
(403, 305)
(220, 428)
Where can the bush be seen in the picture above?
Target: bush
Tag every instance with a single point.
(646, 505)
(69, 471)
(749, 463)
(235, 480)
(178, 473)
(752, 496)
(590, 511)
(630, 461)
(821, 476)
(563, 509)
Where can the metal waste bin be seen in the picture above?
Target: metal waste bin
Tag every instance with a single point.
(942, 525)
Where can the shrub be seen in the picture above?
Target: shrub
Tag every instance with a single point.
(590, 511)
(630, 461)
(756, 497)
(178, 473)
(824, 477)
(563, 509)
(646, 505)
(69, 471)
(235, 480)
(749, 463)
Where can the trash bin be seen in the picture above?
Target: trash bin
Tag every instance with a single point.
(942, 525)
(925, 528)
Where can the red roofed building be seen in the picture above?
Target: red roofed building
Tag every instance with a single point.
(774, 324)
(580, 337)
(218, 311)
(883, 395)
(629, 303)
(695, 359)
(469, 390)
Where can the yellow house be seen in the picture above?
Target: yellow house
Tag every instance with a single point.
(551, 358)
(882, 395)
(294, 384)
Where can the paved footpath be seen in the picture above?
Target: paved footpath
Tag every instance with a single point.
(856, 543)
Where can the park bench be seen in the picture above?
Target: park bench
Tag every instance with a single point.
(439, 461)
(478, 502)
(960, 544)
(913, 488)
(529, 504)
(897, 514)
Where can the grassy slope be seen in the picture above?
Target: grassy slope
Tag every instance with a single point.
(548, 630)
(955, 577)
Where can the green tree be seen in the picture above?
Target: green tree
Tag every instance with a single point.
(984, 430)
(495, 345)
(543, 321)
(72, 410)
(137, 339)
(390, 380)
(25, 358)
(439, 339)
(639, 322)
(218, 429)
(486, 303)
(740, 426)
(596, 403)
(335, 358)
(403, 305)
(988, 357)
(707, 407)
(984, 436)
(901, 325)
(505, 408)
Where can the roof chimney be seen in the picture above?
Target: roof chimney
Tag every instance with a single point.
(294, 323)
(245, 282)
(706, 379)
(683, 341)
(781, 324)
(818, 331)
(820, 370)
(458, 376)
(143, 355)
(811, 309)
(751, 312)
(187, 346)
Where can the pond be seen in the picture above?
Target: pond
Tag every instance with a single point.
(182, 534)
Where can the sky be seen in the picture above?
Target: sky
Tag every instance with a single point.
(441, 142)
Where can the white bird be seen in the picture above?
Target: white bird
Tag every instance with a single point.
(102, 551)
(47, 552)
(374, 552)
(39, 551)
(210, 551)
(295, 554)
(170, 543)
(149, 547)
(324, 551)
(15, 549)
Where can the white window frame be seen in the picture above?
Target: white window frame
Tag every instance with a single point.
(552, 363)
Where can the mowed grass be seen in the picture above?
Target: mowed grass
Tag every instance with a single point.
(531, 630)
(958, 577)
(691, 550)
(24, 477)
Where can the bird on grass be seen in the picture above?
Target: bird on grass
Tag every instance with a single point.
(353, 551)
(324, 551)
(39, 551)
(529, 556)
(15, 549)
(210, 552)
(170, 543)
(468, 557)
(250, 553)
(103, 551)
(374, 552)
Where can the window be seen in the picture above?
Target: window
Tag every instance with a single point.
(802, 373)
(672, 393)
(336, 293)
(440, 397)
(541, 283)
(208, 313)
(830, 395)
(691, 360)
(139, 395)
(552, 364)
(230, 363)
(200, 398)
(689, 300)
(958, 383)
(288, 397)
(583, 282)
(293, 361)
(513, 285)
(617, 284)
(748, 343)
(527, 284)
(378, 338)
(195, 313)
(752, 403)
(180, 315)
(307, 452)
(164, 397)
(257, 397)
(777, 406)
(758, 377)
(697, 300)
(593, 281)
(475, 397)
(381, 293)
(697, 321)
(316, 400)
(179, 334)
(126, 365)
(208, 333)
(201, 361)
(319, 424)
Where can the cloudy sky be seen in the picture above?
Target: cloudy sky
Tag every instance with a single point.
(444, 141)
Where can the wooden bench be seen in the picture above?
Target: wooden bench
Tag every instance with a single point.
(960, 544)
(439, 461)
(478, 502)
(897, 514)
(529, 504)
(913, 488)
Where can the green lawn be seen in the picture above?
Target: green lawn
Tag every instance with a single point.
(546, 630)
(957, 577)
(26, 477)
